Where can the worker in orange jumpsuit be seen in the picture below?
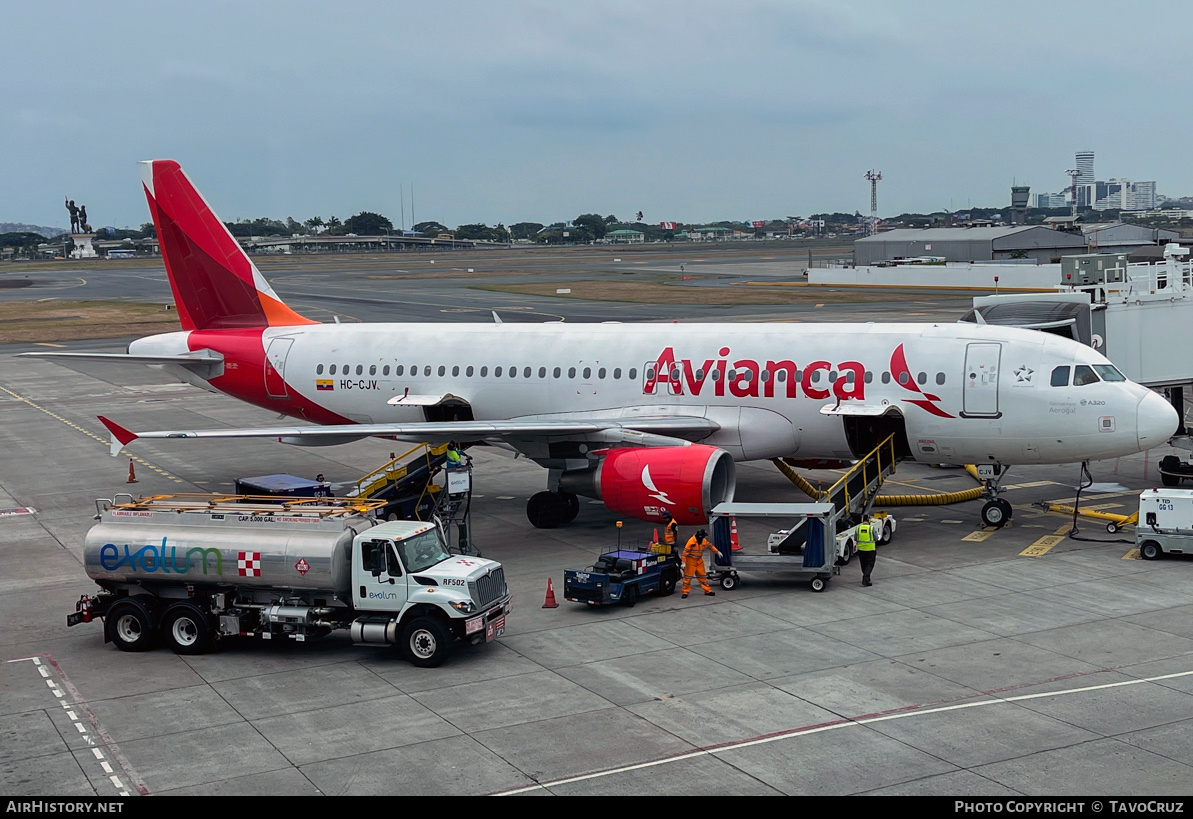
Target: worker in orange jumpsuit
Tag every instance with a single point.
(670, 532)
(693, 562)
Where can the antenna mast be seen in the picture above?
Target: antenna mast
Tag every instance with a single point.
(874, 177)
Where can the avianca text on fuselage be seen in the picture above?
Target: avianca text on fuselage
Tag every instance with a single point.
(744, 377)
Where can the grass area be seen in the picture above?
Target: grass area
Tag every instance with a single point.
(59, 320)
(658, 290)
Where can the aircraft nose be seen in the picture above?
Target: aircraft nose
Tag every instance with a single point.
(1157, 420)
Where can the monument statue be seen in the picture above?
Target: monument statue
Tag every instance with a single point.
(74, 216)
(86, 228)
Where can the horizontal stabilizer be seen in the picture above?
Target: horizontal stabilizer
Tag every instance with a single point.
(206, 364)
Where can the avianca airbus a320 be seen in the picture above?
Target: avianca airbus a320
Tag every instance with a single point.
(646, 417)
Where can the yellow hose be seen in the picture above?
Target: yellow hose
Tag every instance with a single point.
(932, 499)
(1122, 520)
(797, 479)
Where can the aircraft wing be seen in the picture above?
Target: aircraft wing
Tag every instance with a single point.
(662, 431)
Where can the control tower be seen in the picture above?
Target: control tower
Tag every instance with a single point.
(1019, 204)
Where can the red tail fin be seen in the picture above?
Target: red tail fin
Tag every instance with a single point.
(215, 284)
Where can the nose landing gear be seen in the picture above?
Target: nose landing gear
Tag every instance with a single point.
(997, 512)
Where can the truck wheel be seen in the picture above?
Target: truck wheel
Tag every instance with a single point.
(1150, 550)
(728, 582)
(427, 642)
(818, 584)
(886, 535)
(129, 626)
(629, 596)
(186, 630)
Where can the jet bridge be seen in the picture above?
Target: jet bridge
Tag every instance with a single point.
(1140, 316)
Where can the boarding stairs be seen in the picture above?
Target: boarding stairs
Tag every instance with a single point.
(406, 483)
(854, 492)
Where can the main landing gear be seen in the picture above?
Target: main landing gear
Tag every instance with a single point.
(546, 510)
(997, 511)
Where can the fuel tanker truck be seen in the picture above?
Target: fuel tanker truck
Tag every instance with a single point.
(194, 570)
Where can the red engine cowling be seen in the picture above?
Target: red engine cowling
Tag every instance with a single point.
(686, 481)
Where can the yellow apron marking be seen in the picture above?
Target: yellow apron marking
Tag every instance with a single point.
(1042, 546)
(1030, 484)
(48, 344)
(1132, 555)
(978, 537)
(91, 434)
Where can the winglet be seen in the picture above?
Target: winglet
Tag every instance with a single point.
(120, 436)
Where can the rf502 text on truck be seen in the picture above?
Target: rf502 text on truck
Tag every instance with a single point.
(195, 570)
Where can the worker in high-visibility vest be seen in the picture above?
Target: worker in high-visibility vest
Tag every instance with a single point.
(867, 550)
(670, 532)
(693, 563)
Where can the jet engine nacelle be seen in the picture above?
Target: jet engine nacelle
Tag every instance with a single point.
(643, 482)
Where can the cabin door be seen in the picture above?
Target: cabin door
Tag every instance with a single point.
(980, 397)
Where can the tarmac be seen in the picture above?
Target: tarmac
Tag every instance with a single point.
(1015, 661)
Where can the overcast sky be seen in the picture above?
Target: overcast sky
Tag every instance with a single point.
(527, 111)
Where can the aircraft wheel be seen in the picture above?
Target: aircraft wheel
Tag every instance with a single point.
(571, 506)
(994, 514)
(546, 510)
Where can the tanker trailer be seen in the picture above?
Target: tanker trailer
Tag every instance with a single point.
(195, 570)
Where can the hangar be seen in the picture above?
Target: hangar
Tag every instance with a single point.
(972, 244)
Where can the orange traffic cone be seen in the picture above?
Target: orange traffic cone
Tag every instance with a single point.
(550, 603)
(132, 475)
(733, 535)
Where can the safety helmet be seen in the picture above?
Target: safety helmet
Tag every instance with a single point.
(701, 534)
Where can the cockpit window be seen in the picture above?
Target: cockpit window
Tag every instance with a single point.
(1060, 377)
(1083, 375)
(1109, 372)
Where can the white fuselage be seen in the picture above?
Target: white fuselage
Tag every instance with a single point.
(967, 393)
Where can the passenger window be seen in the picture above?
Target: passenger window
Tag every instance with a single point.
(601, 373)
(781, 375)
(1060, 377)
(332, 371)
(764, 375)
(319, 370)
(904, 378)
(468, 372)
(372, 369)
(922, 378)
(526, 372)
(398, 370)
(869, 377)
(940, 379)
(497, 372)
(455, 370)
(1083, 375)
(886, 378)
(513, 372)
(571, 372)
(617, 372)
(542, 372)
(484, 371)
(427, 370)
(555, 372)
(587, 373)
(442, 370)
(385, 370)
(360, 369)
(633, 373)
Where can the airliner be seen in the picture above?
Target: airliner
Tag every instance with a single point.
(646, 417)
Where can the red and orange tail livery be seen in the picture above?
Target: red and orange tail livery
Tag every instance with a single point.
(216, 286)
